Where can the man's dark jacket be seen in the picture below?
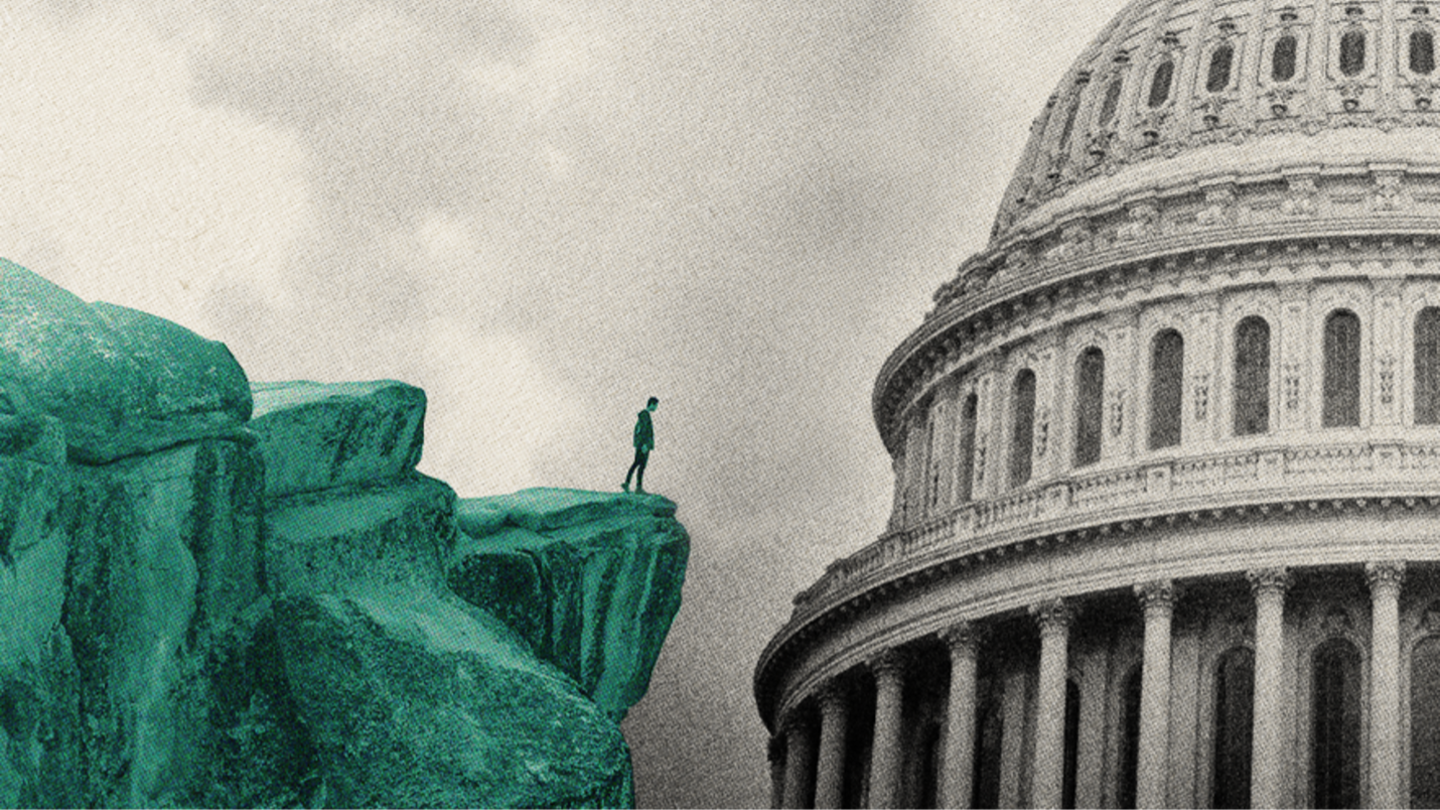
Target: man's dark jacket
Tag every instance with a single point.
(644, 431)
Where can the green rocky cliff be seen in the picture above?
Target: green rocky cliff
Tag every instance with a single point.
(219, 594)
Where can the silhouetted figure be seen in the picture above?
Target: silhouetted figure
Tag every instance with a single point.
(644, 443)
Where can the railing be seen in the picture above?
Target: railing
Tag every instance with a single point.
(1258, 475)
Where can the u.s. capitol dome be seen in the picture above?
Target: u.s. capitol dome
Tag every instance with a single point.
(1166, 526)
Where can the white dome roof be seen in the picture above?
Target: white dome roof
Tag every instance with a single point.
(1176, 91)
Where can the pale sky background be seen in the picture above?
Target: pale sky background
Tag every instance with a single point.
(543, 213)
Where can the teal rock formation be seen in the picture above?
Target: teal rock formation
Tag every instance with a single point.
(591, 580)
(122, 382)
(202, 608)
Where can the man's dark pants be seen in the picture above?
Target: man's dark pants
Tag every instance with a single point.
(638, 468)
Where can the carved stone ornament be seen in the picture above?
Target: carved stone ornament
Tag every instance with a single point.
(832, 695)
(889, 664)
(1387, 380)
(1156, 596)
(1265, 581)
(1053, 616)
(1388, 575)
(1201, 396)
(1387, 192)
(962, 638)
(1301, 202)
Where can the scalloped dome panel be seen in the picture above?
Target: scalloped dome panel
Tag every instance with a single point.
(1170, 77)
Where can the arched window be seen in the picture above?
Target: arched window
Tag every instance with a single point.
(1218, 77)
(1352, 52)
(1160, 84)
(1022, 431)
(1130, 737)
(1341, 404)
(1071, 768)
(1282, 59)
(1335, 725)
(1234, 711)
(933, 437)
(1252, 376)
(1425, 724)
(989, 738)
(1068, 128)
(1427, 367)
(1110, 104)
(1167, 363)
(966, 479)
(1089, 405)
(1422, 52)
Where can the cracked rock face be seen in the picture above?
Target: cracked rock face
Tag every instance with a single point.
(198, 608)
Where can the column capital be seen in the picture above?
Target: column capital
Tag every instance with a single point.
(963, 638)
(1157, 596)
(832, 695)
(794, 721)
(1265, 581)
(1053, 616)
(887, 664)
(1385, 576)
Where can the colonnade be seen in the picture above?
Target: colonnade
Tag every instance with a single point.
(802, 776)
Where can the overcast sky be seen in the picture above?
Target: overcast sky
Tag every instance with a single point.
(543, 213)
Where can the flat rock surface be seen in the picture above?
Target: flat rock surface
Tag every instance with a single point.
(316, 436)
(123, 382)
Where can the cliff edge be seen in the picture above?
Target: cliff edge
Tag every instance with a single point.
(223, 594)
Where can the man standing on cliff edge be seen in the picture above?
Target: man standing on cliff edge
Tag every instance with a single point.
(644, 443)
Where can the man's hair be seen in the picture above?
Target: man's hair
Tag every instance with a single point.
(652, 401)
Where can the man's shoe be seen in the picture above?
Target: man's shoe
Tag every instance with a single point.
(625, 486)
(639, 491)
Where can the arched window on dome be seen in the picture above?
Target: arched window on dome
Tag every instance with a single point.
(1335, 725)
(1089, 405)
(1352, 52)
(1167, 365)
(933, 436)
(1234, 712)
(1282, 59)
(1218, 77)
(1160, 84)
(989, 751)
(1022, 430)
(1425, 723)
(1070, 770)
(1068, 128)
(1427, 367)
(1130, 737)
(1341, 395)
(1422, 52)
(1252, 376)
(1110, 104)
(965, 479)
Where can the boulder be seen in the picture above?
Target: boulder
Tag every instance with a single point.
(122, 382)
(417, 699)
(316, 436)
(592, 580)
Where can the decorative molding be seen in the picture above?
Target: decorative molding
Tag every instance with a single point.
(1268, 582)
(1052, 616)
(1157, 597)
(1385, 577)
(962, 638)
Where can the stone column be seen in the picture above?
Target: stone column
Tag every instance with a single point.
(799, 759)
(885, 765)
(957, 770)
(1157, 599)
(1049, 770)
(776, 754)
(1385, 751)
(1267, 783)
(830, 771)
